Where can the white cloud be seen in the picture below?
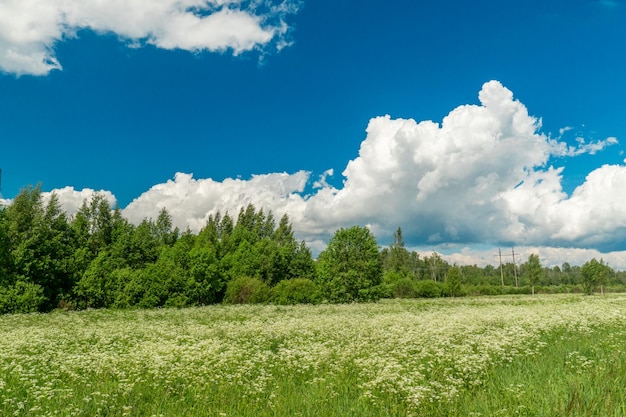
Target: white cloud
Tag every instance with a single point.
(322, 183)
(565, 129)
(191, 201)
(71, 200)
(595, 215)
(482, 176)
(549, 256)
(441, 182)
(562, 149)
(30, 29)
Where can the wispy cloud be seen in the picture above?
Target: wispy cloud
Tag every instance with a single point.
(565, 129)
(30, 30)
(562, 149)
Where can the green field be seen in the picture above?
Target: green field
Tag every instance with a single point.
(527, 356)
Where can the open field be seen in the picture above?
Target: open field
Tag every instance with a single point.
(542, 355)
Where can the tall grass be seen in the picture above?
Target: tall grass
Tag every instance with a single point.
(543, 355)
(575, 374)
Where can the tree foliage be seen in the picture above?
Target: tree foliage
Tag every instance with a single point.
(97, 259)
(533, 270)
(594, 273)
(350, 268)
(453, 282)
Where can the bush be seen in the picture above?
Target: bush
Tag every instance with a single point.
(403, 288)
(246, 290)
(295, 291)
(521, 290)
(449, 290)
(373, 293)
(23, 297)
(484, 289)
(177, 301)
(428, 289)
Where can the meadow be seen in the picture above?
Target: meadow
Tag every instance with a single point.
(515, 355)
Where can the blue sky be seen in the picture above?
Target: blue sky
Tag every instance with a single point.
(101, 99)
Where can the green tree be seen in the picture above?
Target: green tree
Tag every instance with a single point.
(533, 270)
(244, 261)
(165, 234)
(453, 281)
(97, 287)
(93, 224)
(437, 266)
(206, 283)
(301, 264)
(39, 239)
(143, 245)
(256, 248)
(350, 268)
(397, 259)
(6, 263)
(594, 273)
(21, 235)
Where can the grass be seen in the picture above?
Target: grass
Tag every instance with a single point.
(527, 356)
(575, 374)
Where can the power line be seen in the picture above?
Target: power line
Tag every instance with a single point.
(500, 255)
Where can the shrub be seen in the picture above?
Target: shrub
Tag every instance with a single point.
(373, 293)
(428, 289)
(404, 288)
(246, 290)
(23, 297)
(449, 290)
(177, 301)
(295, 291)
(484, 289)
(512, 290)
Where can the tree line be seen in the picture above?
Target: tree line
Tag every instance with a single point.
(97, 259)
(409, 274)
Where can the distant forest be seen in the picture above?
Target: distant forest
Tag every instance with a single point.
(97, 259)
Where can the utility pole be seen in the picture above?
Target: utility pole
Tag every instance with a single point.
(501, 270)
(500, 255)
(514, 267)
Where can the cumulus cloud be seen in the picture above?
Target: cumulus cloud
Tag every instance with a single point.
(71, 200)
(484, 175)
(191, 201)
(30, 29)
(549, 256)
(595, 215)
